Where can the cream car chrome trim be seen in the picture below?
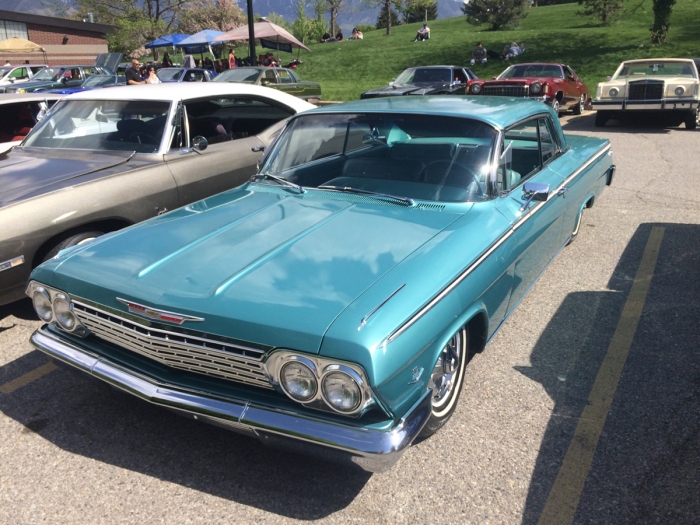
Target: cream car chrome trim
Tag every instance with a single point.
(517, 224)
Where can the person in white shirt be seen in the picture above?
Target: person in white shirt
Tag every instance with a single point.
(423, 34)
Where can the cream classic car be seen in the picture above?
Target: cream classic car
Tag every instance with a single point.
(663, 86)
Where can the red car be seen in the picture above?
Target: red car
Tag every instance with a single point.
(554, 84)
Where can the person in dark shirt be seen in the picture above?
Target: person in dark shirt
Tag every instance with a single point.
(133, 75)
(167, 62)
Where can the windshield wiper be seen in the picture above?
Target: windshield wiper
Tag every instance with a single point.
(281, 180)
(350, 189)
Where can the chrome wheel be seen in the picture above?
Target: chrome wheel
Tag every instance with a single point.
(581, 106)
(446, 377)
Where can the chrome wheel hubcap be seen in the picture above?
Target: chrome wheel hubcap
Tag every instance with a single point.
(446, 371)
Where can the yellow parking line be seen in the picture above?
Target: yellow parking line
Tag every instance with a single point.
(27, 378)
(565, 494)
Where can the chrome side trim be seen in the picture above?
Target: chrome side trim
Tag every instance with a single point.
(371, 313)
(370, 449)
(517, 224)
(6, 265)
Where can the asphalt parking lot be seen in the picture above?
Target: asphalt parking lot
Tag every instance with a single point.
(585, 407)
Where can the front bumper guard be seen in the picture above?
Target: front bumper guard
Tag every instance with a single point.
(647, 105)
(372, 450)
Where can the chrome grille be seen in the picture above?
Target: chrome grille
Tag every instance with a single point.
(178, 350)
(505, 91)
(646, 91)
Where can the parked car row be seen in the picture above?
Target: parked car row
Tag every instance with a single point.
(653, 87)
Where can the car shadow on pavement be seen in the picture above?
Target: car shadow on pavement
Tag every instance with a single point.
(87, 417)
(21, 309)
(646, 467)
(631, 124)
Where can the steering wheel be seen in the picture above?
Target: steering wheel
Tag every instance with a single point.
(142, 138)
(461, 169)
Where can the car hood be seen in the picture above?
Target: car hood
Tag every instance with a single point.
(258, 263)
(26, 172)
(408, 89)
(520, 81)
(32, 84)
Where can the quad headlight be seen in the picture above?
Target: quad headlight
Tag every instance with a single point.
(298, 380)
(535, 87)
(319, 382)
(42, 304)
(614, 92)
(63, 311)
(476, 89)
(679, 91)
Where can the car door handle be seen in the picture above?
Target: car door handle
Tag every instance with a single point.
(562, 191)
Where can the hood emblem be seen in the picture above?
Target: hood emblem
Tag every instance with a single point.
(158, 315)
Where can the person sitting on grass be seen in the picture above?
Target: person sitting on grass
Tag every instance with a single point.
(422, 34)
(339, 36)
(479, 54)
(356, 34)
(326, 37)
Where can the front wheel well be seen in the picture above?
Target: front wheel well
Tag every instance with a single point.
(104, 226)
(559, 96)
(478, 330)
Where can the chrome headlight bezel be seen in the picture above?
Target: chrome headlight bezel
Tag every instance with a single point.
(40, 294)
(320, 367)
(53, 295)
(475, 89)
(679, 91)
(354, 380)
(614, 92)
(302, 363)
(535, 88)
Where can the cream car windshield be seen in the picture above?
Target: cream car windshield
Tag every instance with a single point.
(426, 157)
(656, 69)
(115, 125)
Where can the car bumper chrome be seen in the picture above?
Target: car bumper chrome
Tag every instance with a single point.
(372, 450)
(646, 105)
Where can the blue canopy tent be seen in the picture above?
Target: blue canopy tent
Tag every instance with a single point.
(167, 41)
(199, 42)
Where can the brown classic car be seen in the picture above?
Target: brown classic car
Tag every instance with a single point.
(554, 84)
(106, 159)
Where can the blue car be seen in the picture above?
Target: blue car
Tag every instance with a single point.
(331, 304)
(93, 82)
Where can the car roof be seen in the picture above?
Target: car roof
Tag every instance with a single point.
(499, 112)
(658, 60)
(6, 98)
(436, 67)
(177, 91)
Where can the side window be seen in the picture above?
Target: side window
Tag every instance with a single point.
(284, 77)
(548, 143)
(36, 69)
(75, 74)
(270, 77)
(460, 76)
(89, 71)
(20, 73)
(525, 155)
(568, 72)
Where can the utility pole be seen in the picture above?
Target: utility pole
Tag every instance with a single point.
(251, 35)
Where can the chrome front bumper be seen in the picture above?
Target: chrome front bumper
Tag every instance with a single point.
(372, 450)
(646, 105)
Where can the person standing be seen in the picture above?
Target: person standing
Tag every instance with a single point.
(231, 59)
(152, 78)
(133, 75)
(166, 60)
(479, 54)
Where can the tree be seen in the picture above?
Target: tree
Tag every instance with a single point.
(222, 15)
(662, 20)
(333, 7)
(278, 19)
(604, 10)
(419, 11)
(384, 21)
(496, 13)
(309, 29)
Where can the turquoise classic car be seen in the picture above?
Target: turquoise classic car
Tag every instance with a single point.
(332, 304)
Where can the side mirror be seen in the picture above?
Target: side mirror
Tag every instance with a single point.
(493, 78)
(572, 77)
(199, 143)
(534, 191)
(12, 80)
(391, 84)
(608, 79)
(64, 80)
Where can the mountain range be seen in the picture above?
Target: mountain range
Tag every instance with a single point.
(353, 13)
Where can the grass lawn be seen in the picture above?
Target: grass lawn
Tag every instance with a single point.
(551, 34)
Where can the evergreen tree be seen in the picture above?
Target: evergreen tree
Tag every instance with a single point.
(604, 10)
(382, 19)
(496, 13)
(419, 11)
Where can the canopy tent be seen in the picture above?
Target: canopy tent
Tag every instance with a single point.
(167, 41)
(20, 45)
(271, 36)
(200, 42)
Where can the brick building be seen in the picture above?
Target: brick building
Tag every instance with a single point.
(65, 41)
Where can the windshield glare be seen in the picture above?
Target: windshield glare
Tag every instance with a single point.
(114, 125)
(169, 73)
(99, 80)
(425, 157)
(424, 75)
(238, 74)
(49, 73)
(533, 70)
(4, 71)
(656, 69)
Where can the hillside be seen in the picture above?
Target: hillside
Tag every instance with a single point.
(551, 33)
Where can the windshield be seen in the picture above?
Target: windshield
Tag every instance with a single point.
(99, 80)
(238, 74)
(4, 71)
(169, 73)
(427, 157)
(533, 70)
(49, 73)
(115, 125)
(420, 75)
(656, 69)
